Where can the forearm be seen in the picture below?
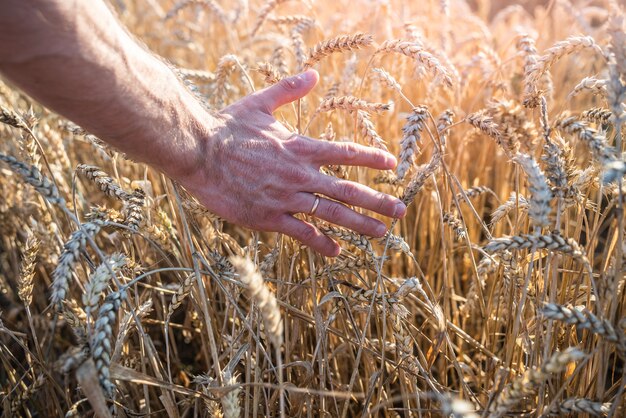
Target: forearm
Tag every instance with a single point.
(75, 58)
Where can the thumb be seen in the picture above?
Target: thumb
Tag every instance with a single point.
(287, 90)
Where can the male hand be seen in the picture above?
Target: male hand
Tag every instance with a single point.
(258, 174)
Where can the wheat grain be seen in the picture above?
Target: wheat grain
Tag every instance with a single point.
(598, 115)
(396, 243)
(593, 85)
(133, 209)
(230, 401)
(455, 223)
(183, 290)
(553, 242)
(211, 5)
(11, 118)
(419, 179)
(384, 77)
(352, 238)
(368, 131)
(556, 52)
(270, 74)
(514, 201)
(595, 141)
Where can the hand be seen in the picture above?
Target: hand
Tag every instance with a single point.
(257, 174)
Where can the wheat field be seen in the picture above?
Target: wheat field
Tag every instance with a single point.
(501, 293)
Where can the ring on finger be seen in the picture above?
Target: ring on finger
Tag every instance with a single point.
(316, 203)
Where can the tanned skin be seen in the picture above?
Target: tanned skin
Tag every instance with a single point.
(76, 58)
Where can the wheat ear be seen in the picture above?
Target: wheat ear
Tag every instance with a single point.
(71, 252)
(99, 281)
(527, 383)
(339, 44)
(265, 300)
(412, 133)
(417, 52)
(101, 342)
(33, 176)
(351, 103)
(27, 270)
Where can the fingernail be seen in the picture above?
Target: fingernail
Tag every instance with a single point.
(399, 210)
(381, 230)
(308, 75)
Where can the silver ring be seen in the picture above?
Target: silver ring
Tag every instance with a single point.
(315, 205)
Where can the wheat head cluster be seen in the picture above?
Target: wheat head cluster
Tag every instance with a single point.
(501, 293)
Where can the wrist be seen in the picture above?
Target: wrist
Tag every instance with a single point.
(187, 144)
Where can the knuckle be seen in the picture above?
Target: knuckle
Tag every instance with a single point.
(368, 224)
(349, 151)
(298, 145)
(349, 190)
(288, 84)
(334, 211)
(307, 233)
(299, 175)
(381, 201)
